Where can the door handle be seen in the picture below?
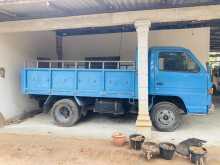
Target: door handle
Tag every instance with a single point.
(159, 83)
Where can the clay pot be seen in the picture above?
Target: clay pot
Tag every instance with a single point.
(119, 139)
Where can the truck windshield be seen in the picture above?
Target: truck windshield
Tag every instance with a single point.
(177, 62)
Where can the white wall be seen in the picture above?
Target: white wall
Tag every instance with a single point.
(197, 40)
(79, 47)
(15, 49)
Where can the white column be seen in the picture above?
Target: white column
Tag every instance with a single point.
(143, 123)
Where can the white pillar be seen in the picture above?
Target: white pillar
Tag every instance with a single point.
(143, 123)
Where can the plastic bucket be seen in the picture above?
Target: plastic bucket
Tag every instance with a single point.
(196, 156)
(167, 150)
(136, 141)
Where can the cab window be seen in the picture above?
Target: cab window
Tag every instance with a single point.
(177, 62)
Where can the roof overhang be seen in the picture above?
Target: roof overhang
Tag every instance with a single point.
(186, 14)
(34, 9)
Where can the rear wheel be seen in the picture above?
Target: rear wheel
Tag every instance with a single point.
(166, 117)
(65, 112)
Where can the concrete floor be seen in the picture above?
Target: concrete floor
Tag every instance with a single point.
(102, 126)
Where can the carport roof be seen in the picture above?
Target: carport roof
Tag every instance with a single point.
(31, 9)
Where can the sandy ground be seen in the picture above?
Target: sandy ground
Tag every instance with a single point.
(51, 150)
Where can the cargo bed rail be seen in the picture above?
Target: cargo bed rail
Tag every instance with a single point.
(127, 65)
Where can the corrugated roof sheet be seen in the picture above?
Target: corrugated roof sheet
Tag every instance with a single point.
(28, 9)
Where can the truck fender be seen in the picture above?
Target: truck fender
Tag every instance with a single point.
(78, 101)
(49, 103)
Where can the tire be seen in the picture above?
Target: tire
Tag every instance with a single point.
(166, 116)
(65, 113)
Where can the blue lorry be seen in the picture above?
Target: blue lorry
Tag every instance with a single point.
(178, 84)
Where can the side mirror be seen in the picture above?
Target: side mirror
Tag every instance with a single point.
(208, 67)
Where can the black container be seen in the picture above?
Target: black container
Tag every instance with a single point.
(136, 145)
(165, 152)
(196, 157)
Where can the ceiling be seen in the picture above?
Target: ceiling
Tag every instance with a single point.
(31, 9)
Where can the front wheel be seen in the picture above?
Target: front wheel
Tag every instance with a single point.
(65, 112)
(165, 116)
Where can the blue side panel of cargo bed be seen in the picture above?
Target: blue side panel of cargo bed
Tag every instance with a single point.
(113, 83)
(38, 81)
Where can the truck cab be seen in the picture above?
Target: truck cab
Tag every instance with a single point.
(178, 84)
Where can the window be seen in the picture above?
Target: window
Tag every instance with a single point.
(177, 62)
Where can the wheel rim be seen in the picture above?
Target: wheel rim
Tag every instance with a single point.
(165, 117)
(63, 114)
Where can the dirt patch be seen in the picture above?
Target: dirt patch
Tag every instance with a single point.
(20, 118)
(49, 150)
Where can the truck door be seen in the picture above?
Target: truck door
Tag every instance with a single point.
(179, 73)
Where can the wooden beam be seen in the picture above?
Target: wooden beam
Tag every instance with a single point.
(199, 13)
